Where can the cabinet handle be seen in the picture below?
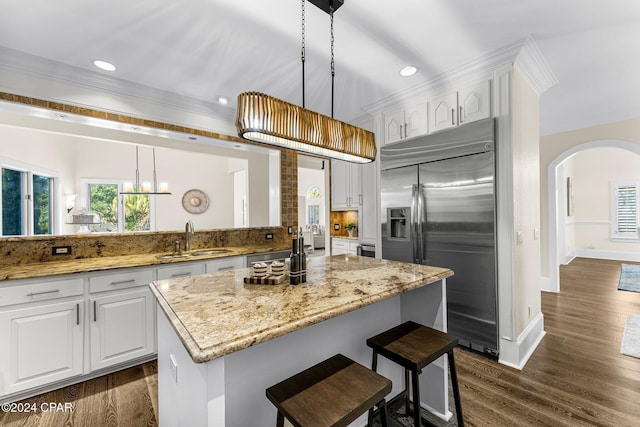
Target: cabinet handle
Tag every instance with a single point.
(229, 267)
(77, 314)
(95, 311)
(175, 276)
(360, 199)
(401, 131)
(123, 282)
(33, 294)
(460, 115)
(406, 135)
(453, 115)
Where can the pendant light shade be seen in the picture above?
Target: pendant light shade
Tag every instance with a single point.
(263, 118)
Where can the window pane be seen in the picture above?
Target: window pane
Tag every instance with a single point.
(314, 214)
(103, 198)
(136, 213)
(42, 204)
(627, 203)
(11, 202)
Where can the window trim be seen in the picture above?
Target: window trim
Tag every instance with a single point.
(27, 213)
(615, 234)
(84, 197)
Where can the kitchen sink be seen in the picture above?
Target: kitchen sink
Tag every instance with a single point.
(203, 252)
(208, 252)
(172, 256)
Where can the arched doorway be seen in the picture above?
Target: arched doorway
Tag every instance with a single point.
(556, 206)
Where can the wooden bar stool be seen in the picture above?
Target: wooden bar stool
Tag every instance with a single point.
(414, 346)
(332, 393)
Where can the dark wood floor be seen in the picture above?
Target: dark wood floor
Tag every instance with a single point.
(576, 377)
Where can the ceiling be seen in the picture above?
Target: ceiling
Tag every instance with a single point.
(198, 50)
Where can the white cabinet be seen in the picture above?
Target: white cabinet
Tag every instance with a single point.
(343, 246)
(346, 185)
(222, 264)
(406, 122)
(469, 104)
(40, 344)
(122, 326)
(368, 220)
(182, 269)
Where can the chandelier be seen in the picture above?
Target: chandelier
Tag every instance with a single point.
(263, 118)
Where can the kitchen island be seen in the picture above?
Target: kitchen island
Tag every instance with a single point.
(222, 342)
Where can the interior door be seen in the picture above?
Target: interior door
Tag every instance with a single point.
(458, 232)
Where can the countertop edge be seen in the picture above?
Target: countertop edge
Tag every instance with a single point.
(200, 355)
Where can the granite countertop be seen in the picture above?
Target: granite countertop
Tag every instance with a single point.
(86, 265)
(217, 314)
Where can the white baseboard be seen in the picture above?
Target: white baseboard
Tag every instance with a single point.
(516, 354)
(613, 255)
(545, 285)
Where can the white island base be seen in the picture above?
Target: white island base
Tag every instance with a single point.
(230, 390)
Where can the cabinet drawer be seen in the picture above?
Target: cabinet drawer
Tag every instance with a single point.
(183, 270)
(225, 264)
(340, 244)
(122, 280)
(20, 294)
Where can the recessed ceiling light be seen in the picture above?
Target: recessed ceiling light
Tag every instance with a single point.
(409, 70)
(104, 65)
(222, 100)
(60, 115)
(193, 138)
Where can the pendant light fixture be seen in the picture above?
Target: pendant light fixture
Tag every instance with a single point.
(263, 118)
(145, 187)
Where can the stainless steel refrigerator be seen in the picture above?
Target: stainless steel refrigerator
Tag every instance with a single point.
(438, 208)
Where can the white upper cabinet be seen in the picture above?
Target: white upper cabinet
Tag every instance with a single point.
(406, 122)
(469, 104)
(346, 185)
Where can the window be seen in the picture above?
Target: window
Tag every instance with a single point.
(314, 214)
(313, 209)
(119, 212)
(625, 210)
(27, 201)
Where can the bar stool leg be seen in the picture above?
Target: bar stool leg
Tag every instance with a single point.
(374, 367)
(416, 398)
(456, 389)
(406, 392)
(382, 409)
(280, 420)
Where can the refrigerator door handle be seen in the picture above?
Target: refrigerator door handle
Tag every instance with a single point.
(422, 220)
(415, 237)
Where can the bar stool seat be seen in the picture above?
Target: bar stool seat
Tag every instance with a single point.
(334, 392)
(414, 346)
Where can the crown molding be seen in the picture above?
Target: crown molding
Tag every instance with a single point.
(524, 52)
(96, 81)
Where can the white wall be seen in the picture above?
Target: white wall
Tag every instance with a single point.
(594, 171)
(77, 157)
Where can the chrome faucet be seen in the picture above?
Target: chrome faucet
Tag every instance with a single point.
(188, 231)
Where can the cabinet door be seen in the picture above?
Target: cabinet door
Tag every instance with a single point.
(416, 120)
(339, 184)
(368, 225)
(355, 185)
(122, 327)
(394, 126)
(475, 102)
(40, 345)
(443, 112)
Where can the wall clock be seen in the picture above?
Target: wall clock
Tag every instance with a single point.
(195, 201)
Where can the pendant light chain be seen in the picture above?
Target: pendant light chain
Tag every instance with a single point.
(333, 64)
(302, 54)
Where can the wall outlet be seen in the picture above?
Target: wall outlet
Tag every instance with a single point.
(336, 227)
(61, 250)
(173, 367)
(290, 230)
(268, 236)
(519, 237)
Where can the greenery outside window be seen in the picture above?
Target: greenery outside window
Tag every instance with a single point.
(27, 200)
(625, 210)
(120, 212)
